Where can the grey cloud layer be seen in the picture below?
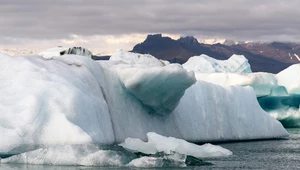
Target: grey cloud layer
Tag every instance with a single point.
(236, 19)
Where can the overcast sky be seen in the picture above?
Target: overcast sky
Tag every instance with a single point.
(110, 24)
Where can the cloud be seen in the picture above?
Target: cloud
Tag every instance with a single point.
(56, 20)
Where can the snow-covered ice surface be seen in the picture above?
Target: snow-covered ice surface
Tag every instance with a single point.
(206, 64)
(136, 59)
(72, 99)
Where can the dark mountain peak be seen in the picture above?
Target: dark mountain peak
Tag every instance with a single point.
(155, 43)
(157, 38)
(174, 50)
(188, 40)
(153, 37)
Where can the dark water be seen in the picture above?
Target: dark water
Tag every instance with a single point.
(268, 154)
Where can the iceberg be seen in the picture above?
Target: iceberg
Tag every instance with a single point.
(72, 99)
(290, 79)
(278, 94)
(59, 51)
(206, 64)
(224, 114)
(157, 143)
(146, 162)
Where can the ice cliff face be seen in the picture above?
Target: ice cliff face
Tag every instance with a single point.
(72, 99)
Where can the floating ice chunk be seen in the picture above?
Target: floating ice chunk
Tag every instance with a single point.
(206, 64)
(169, 145)
(147, 161)
(137, 145)
(173, 160)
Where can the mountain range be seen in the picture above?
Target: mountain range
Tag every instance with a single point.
(267, 57)
(263, 56)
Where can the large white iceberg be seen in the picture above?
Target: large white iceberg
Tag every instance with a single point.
(72, 99)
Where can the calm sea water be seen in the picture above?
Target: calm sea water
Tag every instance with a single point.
(267, 154)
